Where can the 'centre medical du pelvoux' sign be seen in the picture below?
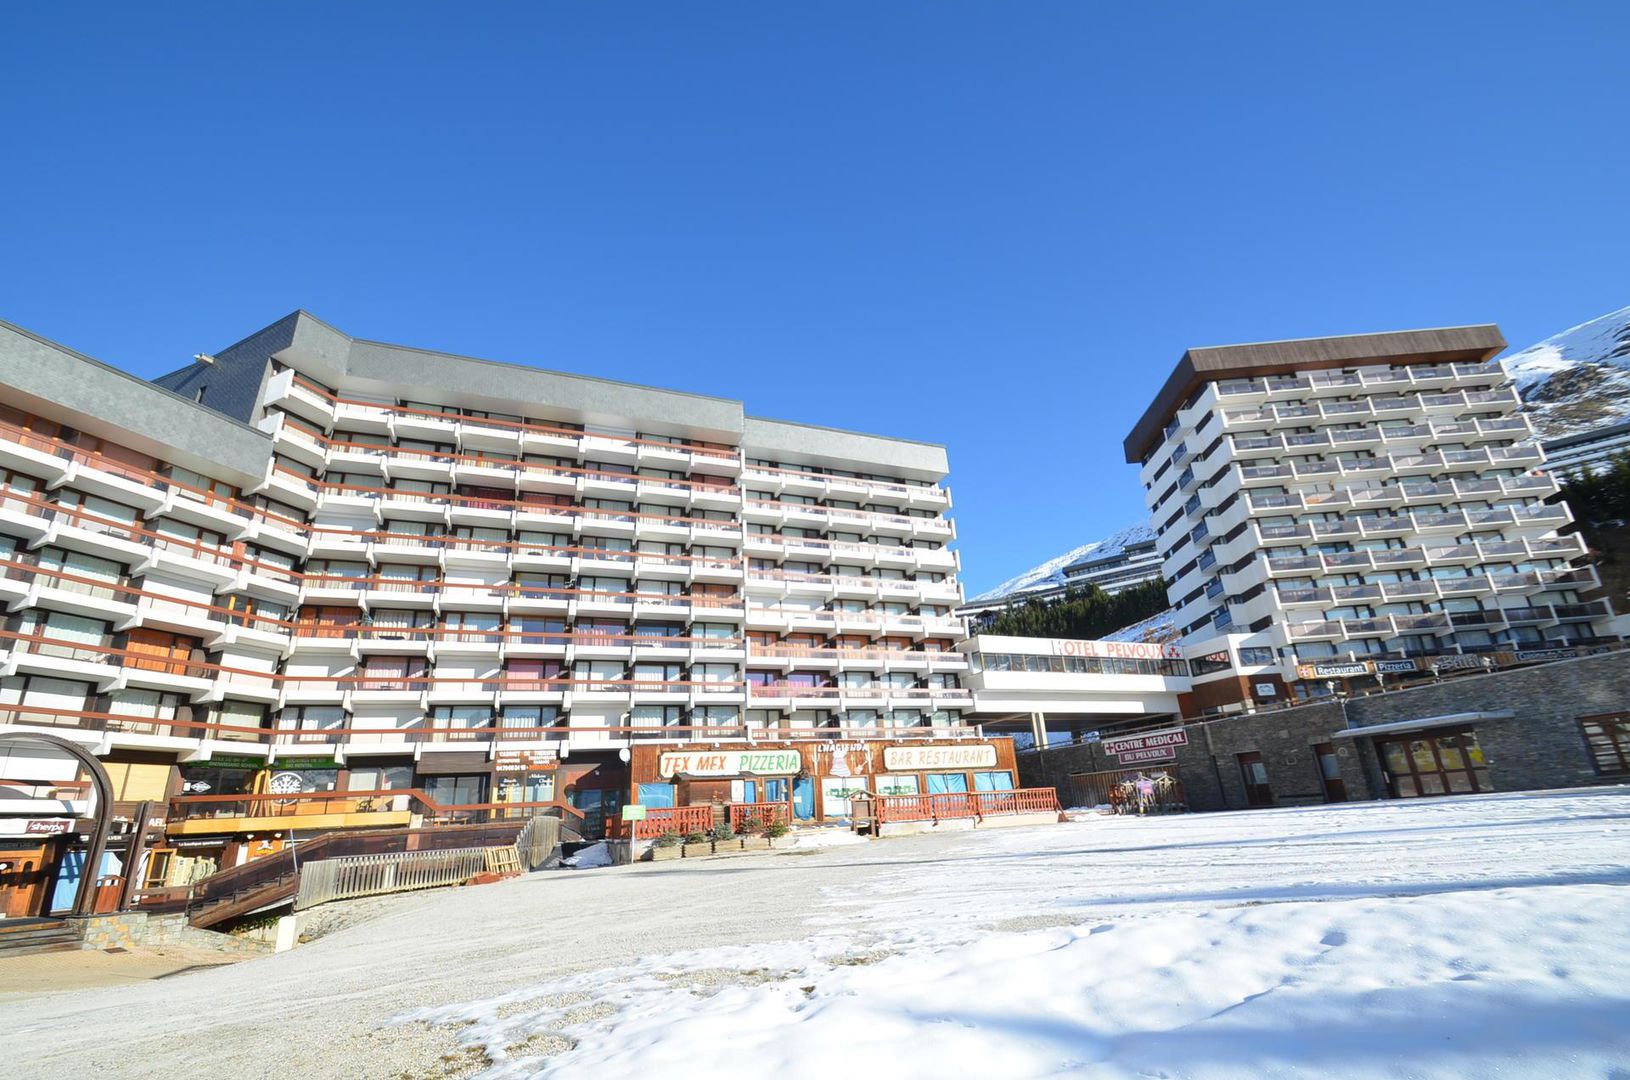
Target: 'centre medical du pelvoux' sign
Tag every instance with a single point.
(1150, 746)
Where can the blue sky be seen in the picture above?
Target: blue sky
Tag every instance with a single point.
(991, 225)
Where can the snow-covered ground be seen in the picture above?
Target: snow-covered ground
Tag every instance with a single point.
(1452, 938)
(1467, 937)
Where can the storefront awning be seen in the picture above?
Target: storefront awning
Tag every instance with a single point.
(1459, 719)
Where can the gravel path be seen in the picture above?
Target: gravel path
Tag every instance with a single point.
(316, 1011)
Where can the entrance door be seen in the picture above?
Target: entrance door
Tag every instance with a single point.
(803, 798)
(1435, 763)
(1335, 790)
(25, 873)
(1255, 775)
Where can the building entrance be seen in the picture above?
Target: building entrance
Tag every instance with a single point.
(1434, 763)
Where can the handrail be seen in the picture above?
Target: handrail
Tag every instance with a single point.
(455, 458)
(491, 730)
(517, 425)
(484, 502)
(195, 668)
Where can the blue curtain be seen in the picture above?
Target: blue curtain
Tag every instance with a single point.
(803, 799)
(656, 794)
(993, 781)
(947, 783)
(775, 791)
(72, 865)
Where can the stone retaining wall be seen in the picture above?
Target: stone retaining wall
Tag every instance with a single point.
(1540, 746)
(138, 929)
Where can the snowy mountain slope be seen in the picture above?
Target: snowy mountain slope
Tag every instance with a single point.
(1578, 379)
(1050, 574)
(1156, 628)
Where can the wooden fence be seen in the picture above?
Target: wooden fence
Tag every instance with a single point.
(1117, 789)
(965, 804)
(537, 839)
(370, 875)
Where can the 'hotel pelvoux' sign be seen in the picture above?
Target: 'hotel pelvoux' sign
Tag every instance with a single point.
(730, 763)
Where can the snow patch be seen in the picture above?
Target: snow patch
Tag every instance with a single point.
(825, 838)
(595, 855)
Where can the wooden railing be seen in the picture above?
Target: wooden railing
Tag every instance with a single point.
(393, 800)
(969, 804)
(674, 819)
(371, 875)
(743, 816)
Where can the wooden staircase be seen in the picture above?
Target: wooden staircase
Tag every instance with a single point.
(274, 880)
(23, 937)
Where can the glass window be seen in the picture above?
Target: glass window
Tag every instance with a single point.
(993, 781)
(896, 785)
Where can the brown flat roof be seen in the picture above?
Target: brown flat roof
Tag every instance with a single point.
(1450, 344)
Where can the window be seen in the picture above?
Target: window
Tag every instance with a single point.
(1256, 656)
(1608, 740)
(896, 785)
(455, 790)
(993, 781)
(530, 716)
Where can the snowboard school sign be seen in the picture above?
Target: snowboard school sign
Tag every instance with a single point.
(1151, 746)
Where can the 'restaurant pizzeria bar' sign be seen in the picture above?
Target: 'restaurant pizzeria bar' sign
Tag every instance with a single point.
(1150, 746)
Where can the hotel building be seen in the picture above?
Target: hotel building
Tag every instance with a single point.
(1366, 506)
(319, 582)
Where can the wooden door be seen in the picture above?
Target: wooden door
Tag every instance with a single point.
(1255, 776)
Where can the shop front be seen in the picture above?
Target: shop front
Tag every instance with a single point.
(1440, 755)
(811, 782)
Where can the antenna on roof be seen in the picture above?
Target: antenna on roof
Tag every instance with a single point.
(203, 359)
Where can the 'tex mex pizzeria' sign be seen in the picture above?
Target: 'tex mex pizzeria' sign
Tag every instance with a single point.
(730, 763)
(1149, 746)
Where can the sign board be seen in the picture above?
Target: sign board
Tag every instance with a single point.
(1154, 754)
(1161, 744)
(1396, 667)
(634, 812)
(1467, 661)
(1344, 669)
(1126, 650)
(1266, 689)
(508, 761)
(730, 762)
(911, 758)
(40, 827)
(1547, 654)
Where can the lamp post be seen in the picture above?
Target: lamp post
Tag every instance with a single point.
(1341, 700)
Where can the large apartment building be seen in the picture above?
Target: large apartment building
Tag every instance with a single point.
(319, 581)
(1356, 506)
